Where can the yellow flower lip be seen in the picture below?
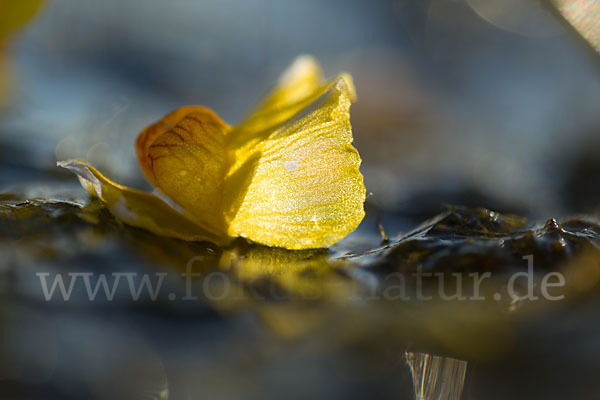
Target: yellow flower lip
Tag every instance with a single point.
(288, 176)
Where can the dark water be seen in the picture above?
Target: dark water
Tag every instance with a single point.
(479, 149)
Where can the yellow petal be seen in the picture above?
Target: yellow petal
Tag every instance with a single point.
(184, 155)
(287, 177)
(306, 190)
(295, 87)
(138, 208)
(299, 85)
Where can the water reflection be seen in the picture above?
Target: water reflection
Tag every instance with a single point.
(299, 273)
(436, 377)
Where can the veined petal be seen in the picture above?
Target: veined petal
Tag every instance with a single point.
(137, 208)
(184, 155)
(287, 177)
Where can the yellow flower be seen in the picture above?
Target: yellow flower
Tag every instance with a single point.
(288, 176)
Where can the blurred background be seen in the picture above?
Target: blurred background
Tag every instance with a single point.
(489, 103)
(458, 100)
